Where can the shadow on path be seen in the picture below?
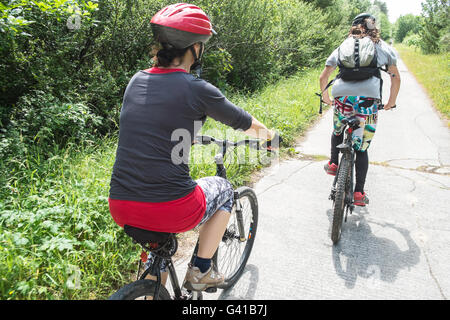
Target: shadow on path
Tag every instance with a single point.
(245, 287)
(361, 253)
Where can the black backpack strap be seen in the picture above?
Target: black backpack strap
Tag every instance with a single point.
(320, 94)
(357, 58)
(385, 69)
(329, 84)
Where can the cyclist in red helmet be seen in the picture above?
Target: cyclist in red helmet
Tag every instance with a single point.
(150, 185)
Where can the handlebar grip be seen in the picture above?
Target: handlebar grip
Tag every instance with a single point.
(381, 107)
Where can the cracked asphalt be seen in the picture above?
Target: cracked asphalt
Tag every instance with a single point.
(396, 248)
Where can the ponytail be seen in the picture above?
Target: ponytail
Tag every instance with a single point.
(167, 54)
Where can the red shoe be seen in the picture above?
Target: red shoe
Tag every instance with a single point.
(331, 168)
(360, 199)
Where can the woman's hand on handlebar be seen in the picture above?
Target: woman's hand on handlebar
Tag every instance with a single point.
(389, 106)
(327, 101)
(274, 142)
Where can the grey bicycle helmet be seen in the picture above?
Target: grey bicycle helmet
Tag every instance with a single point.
(361, 19)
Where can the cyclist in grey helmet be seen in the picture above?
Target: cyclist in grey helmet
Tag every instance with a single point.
(357, 90)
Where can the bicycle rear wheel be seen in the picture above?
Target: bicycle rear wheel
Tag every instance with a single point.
(339, 201)
(233, 253)
(140, 290)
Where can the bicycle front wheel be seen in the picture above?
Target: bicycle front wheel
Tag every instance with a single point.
(141, 290)
(234, 250)
(339, 201)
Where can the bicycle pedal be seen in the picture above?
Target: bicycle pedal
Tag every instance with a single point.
(211, 290)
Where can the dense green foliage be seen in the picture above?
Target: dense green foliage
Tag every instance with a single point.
(430, 31)
(406, 25)
(56, 53)
(435, 31)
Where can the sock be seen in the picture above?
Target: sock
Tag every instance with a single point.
(335, 141)
(202, 264)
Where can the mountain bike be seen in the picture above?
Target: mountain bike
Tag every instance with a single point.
(230, 258)
(343, 184)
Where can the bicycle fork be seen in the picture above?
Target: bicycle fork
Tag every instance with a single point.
(239, 217)
(221, 172)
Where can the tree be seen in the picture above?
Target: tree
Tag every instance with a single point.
(385, 26)
(436, 24)
(382, 5)
(406, 24)
(380, 10)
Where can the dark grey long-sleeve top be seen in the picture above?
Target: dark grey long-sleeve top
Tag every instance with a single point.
(160, 112)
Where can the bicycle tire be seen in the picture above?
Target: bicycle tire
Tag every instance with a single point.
(224, 252)
(140, 288)
(339, 201)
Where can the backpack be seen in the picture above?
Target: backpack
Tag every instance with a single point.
(357, 61)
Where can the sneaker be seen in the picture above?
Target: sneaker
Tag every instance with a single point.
(195, 280)
(360, 199)
(331, 168)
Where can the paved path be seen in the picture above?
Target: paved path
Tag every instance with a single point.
(397, 248)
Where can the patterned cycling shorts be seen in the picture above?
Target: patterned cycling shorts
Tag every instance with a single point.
(219, 195)
(366, 110)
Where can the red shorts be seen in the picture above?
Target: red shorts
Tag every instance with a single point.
(174, 216)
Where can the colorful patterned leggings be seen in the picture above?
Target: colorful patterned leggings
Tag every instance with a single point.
(366, 110)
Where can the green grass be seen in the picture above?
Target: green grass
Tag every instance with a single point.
(57, 238)
(433, 72)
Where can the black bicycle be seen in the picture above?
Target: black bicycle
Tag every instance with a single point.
(230, 258)
(342, 190)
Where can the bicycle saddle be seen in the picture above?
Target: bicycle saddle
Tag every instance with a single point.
(352, 122)
(145, 237)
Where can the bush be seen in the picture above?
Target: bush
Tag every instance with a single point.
(412, 40)
(444, 43)
(42, 120)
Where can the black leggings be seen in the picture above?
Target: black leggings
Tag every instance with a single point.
(361, 163)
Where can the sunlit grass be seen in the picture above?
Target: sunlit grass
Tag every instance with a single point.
(433, 72)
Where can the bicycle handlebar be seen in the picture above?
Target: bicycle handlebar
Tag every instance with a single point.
(353, 121)
(206, 140)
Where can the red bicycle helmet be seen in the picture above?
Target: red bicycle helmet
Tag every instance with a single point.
(181, 25)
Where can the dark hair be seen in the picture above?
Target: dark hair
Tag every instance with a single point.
(361, 31)
(165, 54)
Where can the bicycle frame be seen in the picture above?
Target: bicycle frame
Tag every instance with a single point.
(346, 148)
(343, 184)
